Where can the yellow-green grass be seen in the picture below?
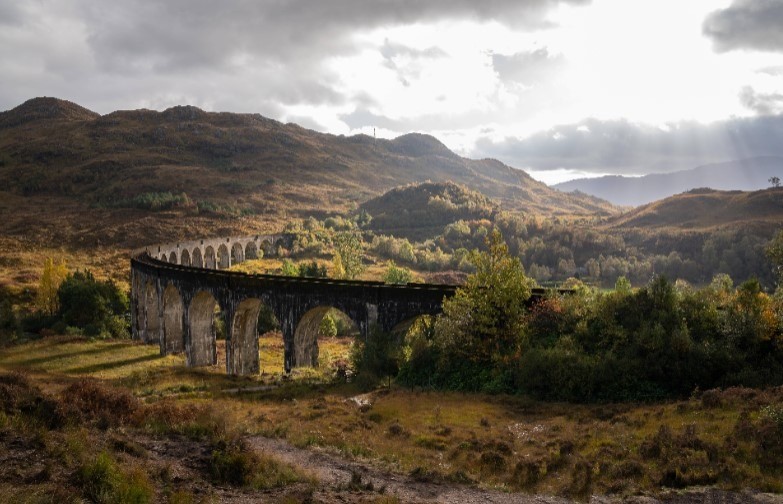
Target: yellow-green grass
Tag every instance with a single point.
(496, 441)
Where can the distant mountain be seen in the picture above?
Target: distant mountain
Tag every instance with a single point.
(708, 209)
(746, 175)
(110, 176)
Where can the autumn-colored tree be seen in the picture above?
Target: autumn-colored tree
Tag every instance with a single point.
(397, 275)
(348, 252)
(53, 275)
(484, 323)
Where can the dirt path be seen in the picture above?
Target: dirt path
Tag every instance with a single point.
(339, 473)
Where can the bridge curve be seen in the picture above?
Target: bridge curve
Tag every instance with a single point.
(174, 298)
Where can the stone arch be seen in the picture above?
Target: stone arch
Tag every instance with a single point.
(201, 322)
(242, 349)
(306, 336)
(173, 257)
(420, 322)
(237, 253)
(209, 257)
(223, 257)
(173, 321)
(163, 257)
(198, 262)
(151, 314)
(268, 248)
(251, 251)
(184, 258)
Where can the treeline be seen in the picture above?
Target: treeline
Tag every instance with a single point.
(662, 340)
(554, 249)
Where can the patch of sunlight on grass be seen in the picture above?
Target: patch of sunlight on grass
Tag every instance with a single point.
(110, 359)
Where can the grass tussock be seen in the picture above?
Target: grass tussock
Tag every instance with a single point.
(234, 463)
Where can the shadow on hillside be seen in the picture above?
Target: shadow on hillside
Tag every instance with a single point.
(49, 358)
(104, 366)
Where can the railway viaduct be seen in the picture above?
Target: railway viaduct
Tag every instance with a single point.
(177, 287)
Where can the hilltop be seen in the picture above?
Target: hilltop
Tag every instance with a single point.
(706, 209)
(106, 174)
(422, 210)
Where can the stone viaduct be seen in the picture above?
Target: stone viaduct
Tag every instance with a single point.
(176, 288)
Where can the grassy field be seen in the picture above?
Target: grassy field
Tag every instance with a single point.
(732, 439)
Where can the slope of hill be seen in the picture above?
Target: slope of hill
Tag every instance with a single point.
(419, 211)
(194, 168)
(703, 209)
(746, 175)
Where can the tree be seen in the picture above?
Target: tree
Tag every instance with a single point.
(774, 252)
(483, 324)
(774, 181)
(97, 307)
(327, 327)
(288, 268)
(397, 275)
(347, 261)
(53, 275)
(312, 269)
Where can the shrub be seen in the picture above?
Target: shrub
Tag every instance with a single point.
(100, 308)
(236, 464)
(102, 481)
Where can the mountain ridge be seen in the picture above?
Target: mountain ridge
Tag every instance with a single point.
(233, 164)
(746, 174)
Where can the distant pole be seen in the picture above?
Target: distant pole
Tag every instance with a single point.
(373, 133)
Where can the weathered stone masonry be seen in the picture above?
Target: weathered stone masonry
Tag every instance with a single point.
(175, 289)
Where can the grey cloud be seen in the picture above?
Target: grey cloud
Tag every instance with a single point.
(761, 103)
(527, 68)
(391, 50)
(623, 147)
(415, 59)
(173, 34)
(747, 24)
(771, 70)
(202, 48)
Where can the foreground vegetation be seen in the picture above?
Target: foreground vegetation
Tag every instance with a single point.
(115, 430)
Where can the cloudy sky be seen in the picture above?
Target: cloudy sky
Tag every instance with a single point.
(560, 88)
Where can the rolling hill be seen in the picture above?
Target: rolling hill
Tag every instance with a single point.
(133, 177)
(704, 209)
(746, 175)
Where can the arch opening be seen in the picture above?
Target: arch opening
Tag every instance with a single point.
(322, 337)
(223, 257)
(201, 318)
(268, 248)
(151, 314)
(163, 257)
(251, 251)
(209, 258)
(173, 258)
(237, 253)
(184, 258)
(198, 262)
(173, 321)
